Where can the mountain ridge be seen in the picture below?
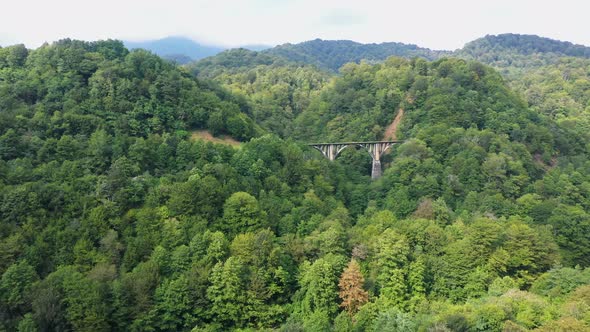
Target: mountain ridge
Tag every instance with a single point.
(332, 54)
(182, 49)
(175, 45)
(497, 50)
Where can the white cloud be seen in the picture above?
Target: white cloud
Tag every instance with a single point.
(435, 24)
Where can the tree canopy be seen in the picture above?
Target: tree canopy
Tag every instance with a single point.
(116, 216)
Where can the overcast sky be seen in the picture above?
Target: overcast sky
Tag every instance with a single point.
(437, 24)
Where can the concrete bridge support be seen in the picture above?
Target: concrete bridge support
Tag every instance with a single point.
(330, 150)
(375, 149)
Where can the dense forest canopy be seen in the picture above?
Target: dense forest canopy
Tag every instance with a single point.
(115, 216)
(513, 50)
(504, 51)
(332, 54)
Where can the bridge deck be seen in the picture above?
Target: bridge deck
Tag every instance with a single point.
(350, 143)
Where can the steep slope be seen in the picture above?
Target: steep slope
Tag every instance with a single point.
(277, 90)
(560, 91)
(469, 138)
(364, 98)
(391, 130)
(552, 75)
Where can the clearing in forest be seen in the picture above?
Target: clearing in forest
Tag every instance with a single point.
(391, 131)
(206, 136)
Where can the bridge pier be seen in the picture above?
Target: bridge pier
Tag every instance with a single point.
(375, 149)
(376, 172)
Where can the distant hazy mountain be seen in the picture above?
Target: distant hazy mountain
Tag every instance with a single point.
(256, 47)
(180, 59)
(183, 50)
(178, 49)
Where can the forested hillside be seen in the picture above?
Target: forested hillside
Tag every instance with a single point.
(520, 51)
(508, 52)
(332, 54)
(277, 90)
(553, 76)
(116, 218)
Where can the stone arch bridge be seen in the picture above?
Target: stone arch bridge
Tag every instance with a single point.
(375, 149)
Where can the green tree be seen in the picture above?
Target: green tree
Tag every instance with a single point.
(241, 213)
(16, 286)
(572, 227)
(391, 257)
(173, 309)
(319, 287)
(227, 292)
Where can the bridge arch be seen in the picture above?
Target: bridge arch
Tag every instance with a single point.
(374, 148)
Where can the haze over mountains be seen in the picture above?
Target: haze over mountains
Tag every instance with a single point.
(182, 49)
(332, 54)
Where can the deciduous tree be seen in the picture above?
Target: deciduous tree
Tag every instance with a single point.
(351, 288)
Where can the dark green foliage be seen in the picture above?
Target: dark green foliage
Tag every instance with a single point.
(277, 90)
(233, 60)
(514, 50)
(116, 217)
(332, 54)
(15, 287)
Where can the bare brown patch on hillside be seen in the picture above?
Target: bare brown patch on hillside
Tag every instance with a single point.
(546, 166)
(205, 135)
(391, 131)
